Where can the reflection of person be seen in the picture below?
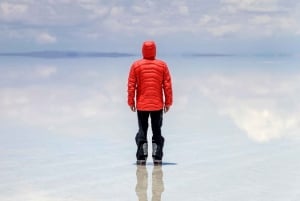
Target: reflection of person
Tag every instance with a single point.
(149, 92)
(157, 183)
(142, 183)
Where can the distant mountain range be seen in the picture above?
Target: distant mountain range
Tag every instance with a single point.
(65, 54)
(209, 55)
(80, 54)
(237, 55)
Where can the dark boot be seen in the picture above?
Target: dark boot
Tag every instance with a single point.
(157, 151)
(142, 154)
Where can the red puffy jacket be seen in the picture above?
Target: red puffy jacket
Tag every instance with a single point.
(149, 81)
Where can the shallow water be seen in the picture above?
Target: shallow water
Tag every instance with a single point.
(66, 132)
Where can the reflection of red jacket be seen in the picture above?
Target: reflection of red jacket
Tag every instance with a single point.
(149, 81)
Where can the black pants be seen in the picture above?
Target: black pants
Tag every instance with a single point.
(157, 138)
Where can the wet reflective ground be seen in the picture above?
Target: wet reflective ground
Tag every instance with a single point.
(66, 132)
(66, 169)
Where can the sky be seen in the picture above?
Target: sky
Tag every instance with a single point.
(179, 26)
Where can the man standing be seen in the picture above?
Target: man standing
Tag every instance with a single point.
(150, 93)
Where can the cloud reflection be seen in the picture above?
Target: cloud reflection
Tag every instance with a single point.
(262, 104)
(69, 98)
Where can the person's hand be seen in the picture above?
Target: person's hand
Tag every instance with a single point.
(166, 109)
(133, 109)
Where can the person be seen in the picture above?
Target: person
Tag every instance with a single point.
(149, 93)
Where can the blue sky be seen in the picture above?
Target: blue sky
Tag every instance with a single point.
(218, 26)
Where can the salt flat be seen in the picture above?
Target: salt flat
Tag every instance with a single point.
(66, 132)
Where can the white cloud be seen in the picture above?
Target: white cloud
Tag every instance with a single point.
(46, 38)
(251, 5)
(262, 105)
(208, 20)
(66, 107)
(87, 20)
(45, 71)
(139, 9)
(116, 11)
(61, 109)
(12, 11)
(274, 25)
(288, 23)
(28, 73)
(95, 10)
(100, 11)
(183, 10)
(263, 124)
(223, 30)
(261, 19)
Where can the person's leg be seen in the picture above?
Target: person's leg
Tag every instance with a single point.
(141, 136)
(157, 138)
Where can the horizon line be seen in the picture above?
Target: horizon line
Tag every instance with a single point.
(114, 54)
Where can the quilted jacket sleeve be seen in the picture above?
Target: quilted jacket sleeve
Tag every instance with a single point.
(131, 87)
(167, 87)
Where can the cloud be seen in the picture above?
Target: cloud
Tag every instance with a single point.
(81, 21)
(224, 29)
(116, 11)
(234, 6)
(262, 105)
(263, 125)
(12, 11)
(139, 9)
(274, 25)
(46, 38)
(59, 101)
(27, 73)
(95, 10)
(288, 23)
(261, 19)
(184, 10)
(61, 110)
(45, 71)
(208, 19)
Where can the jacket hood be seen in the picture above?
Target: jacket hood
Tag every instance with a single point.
(149, 50)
